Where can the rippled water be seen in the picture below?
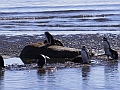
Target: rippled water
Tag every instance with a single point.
(100, 75)
(62, 15)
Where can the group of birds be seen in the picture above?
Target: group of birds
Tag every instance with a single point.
(109, 52)
(85, 56)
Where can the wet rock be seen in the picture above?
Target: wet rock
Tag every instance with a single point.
(56, 53)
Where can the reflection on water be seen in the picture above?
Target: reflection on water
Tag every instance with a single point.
(68, 76)
(85, 72)
(1, 79)
(1, 75)
(111, 73)
(85, 76)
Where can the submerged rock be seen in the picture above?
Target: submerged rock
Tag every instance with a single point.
(56, 53)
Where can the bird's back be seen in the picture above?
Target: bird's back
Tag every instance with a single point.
(84, 56)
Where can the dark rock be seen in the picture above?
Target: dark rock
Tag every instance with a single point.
(56, 53)
(77, 59)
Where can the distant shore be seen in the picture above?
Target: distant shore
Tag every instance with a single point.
(11, 46)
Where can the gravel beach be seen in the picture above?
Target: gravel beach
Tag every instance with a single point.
(11, 46)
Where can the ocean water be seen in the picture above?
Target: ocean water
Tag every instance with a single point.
(68, 16)
(19, 17)
(100, 75)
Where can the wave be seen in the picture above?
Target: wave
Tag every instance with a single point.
(61, 18)
(46, 7)
(11, 16)
(60, 11)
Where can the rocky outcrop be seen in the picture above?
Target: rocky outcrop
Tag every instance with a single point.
(56, 53)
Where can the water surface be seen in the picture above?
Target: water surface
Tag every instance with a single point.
(100, 75)
(31, 17)
(62, 15)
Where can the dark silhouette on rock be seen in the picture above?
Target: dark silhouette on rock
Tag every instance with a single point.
(108, 51)
(51, 41)
(1, 62)
(50, 38)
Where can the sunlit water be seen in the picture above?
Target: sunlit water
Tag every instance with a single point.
(62, 15)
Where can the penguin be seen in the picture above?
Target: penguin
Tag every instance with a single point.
(50, 38)
(51, 41)
(78, 58)
(45, 42)
(41, 60)
(1, 62)
(108, 51)
(59, 43)
(85, 56)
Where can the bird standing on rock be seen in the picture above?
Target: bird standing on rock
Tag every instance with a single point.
(51, 41)
(108, 51)
(41, 60)
(50, 38)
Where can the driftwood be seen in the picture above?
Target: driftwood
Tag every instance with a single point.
(56, 53)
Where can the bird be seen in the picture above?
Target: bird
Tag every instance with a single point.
(1, 62)
(85, 56)
(50, 38)
(41, 60)
(108, 51)
(51, 41)
(58, 42)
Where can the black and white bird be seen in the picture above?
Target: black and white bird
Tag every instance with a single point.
(41, 60)
(51, 41)
(1, 62)
(50, 38)
(85, 56)
(108, 51)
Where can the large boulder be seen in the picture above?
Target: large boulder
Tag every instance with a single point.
(56, 53)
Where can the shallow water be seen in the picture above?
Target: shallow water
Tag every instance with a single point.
(100, 75)
(10, 61)
(31, 17)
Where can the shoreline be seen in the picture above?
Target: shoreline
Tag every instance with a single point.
(32, 33)
(11, 46)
